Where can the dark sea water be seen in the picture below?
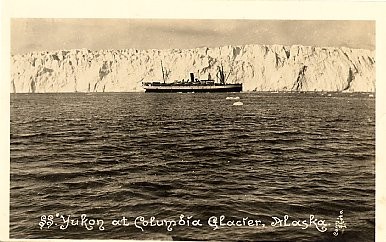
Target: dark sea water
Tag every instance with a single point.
(140, 155)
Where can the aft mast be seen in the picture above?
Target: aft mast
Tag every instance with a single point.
(163, 73)
(220, 75)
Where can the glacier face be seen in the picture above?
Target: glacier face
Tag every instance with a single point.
(258, 67)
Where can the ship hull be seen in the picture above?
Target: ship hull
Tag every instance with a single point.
(187, 89)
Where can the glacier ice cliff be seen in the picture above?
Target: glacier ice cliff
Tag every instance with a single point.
(258, 67)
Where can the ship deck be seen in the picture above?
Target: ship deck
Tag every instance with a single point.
(194, 88)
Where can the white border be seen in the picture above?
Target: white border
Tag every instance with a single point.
(195, 9)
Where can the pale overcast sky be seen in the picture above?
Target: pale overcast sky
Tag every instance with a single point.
(95, 34)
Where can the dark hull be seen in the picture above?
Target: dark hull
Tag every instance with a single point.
(230, 88)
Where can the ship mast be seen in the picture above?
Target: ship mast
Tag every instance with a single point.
(220, 74)
(163, 74)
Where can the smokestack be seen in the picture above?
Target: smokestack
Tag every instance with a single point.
(192, 77)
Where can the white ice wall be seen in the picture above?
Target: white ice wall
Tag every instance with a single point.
(258, 67)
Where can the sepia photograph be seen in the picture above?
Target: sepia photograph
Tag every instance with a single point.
(192, 129)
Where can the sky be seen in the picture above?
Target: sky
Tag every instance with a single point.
(46, 34)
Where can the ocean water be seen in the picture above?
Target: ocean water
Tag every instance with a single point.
(103, 165)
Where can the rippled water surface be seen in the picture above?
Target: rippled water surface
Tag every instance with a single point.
(162, 155)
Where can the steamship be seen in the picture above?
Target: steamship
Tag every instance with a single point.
(193, 84)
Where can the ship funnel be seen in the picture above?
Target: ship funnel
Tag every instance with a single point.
(191, 77)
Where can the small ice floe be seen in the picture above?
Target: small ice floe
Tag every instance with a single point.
(232, 98)
(238, 104)
(329, 95)
(371, 95)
